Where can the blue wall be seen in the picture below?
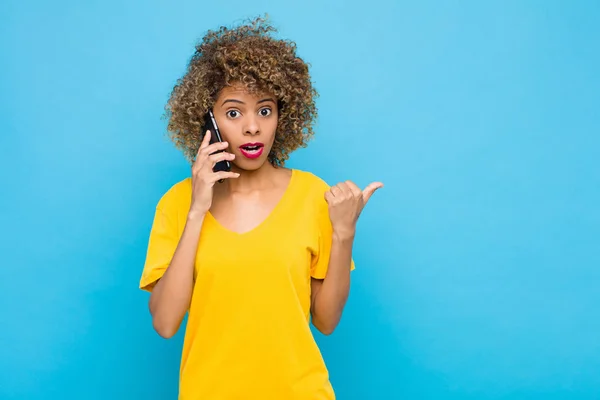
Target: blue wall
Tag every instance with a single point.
(478, 265)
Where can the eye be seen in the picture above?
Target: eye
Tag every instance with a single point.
(233, 114)
(265, 112)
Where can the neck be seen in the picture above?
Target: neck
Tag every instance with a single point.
(251, 180)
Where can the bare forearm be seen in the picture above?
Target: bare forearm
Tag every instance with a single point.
(171, 296)
(331, 297)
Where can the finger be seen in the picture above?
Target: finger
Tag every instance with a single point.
(370, 189)
(328, 197)
(354, 188)
(345, 189)
(215, 158)
(217, 176)
(205, 140)
(336, 191)
(213, 148)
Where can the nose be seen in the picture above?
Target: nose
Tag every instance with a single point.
(252, 127)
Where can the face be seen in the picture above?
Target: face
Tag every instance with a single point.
(248, 123)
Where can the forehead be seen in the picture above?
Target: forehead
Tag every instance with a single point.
(242, 93)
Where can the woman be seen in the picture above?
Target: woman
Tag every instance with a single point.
(253, 253)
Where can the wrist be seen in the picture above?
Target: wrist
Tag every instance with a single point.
(195, 215)
(344, 235)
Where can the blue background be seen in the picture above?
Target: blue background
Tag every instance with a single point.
(477, 265)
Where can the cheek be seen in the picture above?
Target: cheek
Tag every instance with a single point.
(227, 129)
(271, 127)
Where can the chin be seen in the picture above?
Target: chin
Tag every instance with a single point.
(250, 165)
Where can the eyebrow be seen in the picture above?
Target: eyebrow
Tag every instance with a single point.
(241, 102)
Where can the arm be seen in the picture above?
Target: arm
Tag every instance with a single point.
(329, 295)
(171, 295)
(345, 203)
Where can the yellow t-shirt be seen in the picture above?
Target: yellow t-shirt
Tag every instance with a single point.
(247, 335)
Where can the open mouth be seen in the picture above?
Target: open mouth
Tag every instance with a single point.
(252, 150)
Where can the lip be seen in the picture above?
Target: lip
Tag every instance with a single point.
(253, 154)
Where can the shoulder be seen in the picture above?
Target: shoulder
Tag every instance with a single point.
(177, 196)
(312, 187)
(311, 182)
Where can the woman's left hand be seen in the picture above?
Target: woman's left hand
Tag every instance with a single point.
(346, 201)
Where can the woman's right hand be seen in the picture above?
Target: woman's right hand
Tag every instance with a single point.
(203, 176)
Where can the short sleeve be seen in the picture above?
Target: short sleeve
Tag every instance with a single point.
(325, 232)
(161, 247)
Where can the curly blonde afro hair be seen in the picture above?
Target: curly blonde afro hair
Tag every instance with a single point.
(250, 56)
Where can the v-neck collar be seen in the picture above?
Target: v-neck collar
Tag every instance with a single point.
(265, 222)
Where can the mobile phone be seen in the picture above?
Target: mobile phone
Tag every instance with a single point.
(210, 124)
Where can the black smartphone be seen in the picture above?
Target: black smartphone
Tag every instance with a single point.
(210, 124)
